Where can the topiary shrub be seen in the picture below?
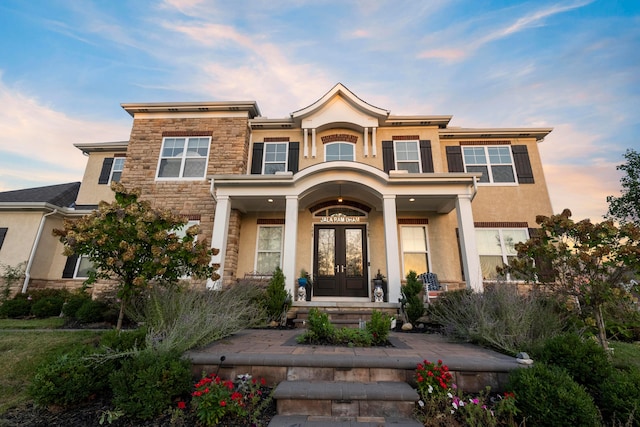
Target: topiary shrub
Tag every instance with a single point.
(277, 297)
(69, 379)
(546, 395)
(147, 383)
(15, 308)
(411, 301)
(584, 359)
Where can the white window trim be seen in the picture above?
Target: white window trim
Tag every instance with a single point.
(353, 146)
(182, 160)
(264, 155)
(258, 251)
(75, 270)
(113, 168)
(402, 251)
(503, 249)
(488, 164)
(395, 155)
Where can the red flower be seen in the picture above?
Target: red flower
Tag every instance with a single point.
(181, 405)
(236, 396)
(263, 381)
(223, 403)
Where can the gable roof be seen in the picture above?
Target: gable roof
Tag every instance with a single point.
(340, 90)
(62, 195)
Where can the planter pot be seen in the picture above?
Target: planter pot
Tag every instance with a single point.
(383, 284)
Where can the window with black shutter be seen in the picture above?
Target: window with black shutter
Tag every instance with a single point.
(388, 161)
(3, 233)
(454, 159)
(426, 157)
(523, 164)
(105, 173)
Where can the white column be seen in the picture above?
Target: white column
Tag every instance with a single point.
(394, 278)
(289, 250)
(313, 143)
(374, 150)
(366, 142)
(468, 246)
(306, 143)
(219, 237)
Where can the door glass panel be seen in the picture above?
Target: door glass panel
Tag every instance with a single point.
(326, 251)
(353, 243)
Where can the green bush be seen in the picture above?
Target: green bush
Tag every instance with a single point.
(48, 306)
(379, 327)
(583, 359)
(353, 337)
(411, 301)
(73, 303)
(69, 379)
(319, 327)
(546, 395)
(91, 311)
(276, 296)
(14, 308)
(124, 340)
(147, 383)
(620, 397)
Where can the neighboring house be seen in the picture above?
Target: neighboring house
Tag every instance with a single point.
(339, 188)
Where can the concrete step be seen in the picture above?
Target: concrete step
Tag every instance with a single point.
(345, 399)
(317, 421)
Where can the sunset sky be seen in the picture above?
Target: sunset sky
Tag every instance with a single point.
(67, 65)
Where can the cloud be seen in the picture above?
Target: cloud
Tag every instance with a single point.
(41, 140)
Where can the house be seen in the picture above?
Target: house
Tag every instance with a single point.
(340, 188)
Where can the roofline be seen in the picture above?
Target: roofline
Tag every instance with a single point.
(94, 147)
(40, 206)
(455, 133)
(339, 88)
(250, 107)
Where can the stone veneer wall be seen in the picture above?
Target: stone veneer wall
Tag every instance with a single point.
(228, 155)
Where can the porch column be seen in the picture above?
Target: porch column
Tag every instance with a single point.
(219, 237)
(305, 147)
(468, 246)
(394, 279)
(313, 143)
(366, 142)
(290, 238)
(374, 150)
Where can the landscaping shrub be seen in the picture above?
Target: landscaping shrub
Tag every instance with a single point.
(277, 297)
(620, 397)
(146, 384)
(353, 337)
(584, 359)
(69, 379)
(411, 301)
(379, 327)
(73, 303)
(123, 340)
(319, 328)
(48, 306)
(15, 308)
(182, 319)
(499, 318)
(91, 311)
(546, 395)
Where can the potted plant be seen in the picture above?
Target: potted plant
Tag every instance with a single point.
(305, 280)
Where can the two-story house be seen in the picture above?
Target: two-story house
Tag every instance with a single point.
(340, 188)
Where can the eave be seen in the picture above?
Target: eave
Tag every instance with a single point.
(483, 133)
(251, 107)
(100, 147)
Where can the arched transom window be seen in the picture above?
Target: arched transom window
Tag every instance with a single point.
(334, 151)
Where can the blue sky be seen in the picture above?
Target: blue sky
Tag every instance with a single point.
(574, 65)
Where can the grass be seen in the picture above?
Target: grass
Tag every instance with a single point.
(22, 351)
(48, 323)
(625, 354)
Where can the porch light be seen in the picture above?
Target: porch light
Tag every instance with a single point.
(270, 200)
(412, 199)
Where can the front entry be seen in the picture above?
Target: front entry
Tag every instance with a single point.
(339, 261)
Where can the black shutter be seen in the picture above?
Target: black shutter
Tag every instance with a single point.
(256, 158)
(294, 155)
(105, 173)
(388, 159)
(454, 159)
(3, 233)
(460, 254)
(425, 156)
(523, 164)
(70, 267)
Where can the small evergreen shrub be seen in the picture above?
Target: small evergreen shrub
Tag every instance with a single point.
(413, 305)
(319, 329)
(353, 337)
(91, 311)
(276, 296)
(15, 308)
(620, 397)
(546, 395)
(147, 383)
(73, 303)
(48, 306)
(123, 340)
(379, 327)
(69, 379)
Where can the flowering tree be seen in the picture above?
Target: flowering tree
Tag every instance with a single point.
(587, 262)
(136, 245)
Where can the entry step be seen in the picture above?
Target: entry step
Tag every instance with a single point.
(317, 421)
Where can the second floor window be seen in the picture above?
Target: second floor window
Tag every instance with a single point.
(407, 156)
(184, 157)
(275, 158)
(495, 163)
(339, 151)
(116, 171)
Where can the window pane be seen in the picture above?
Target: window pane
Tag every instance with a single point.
(198, 147)
(354, 255)
(488, 242)
(499, 155)
(413, 239)
(275, 152)
(326, 251)
(267, 262)
(339, 151)
(116, 176)
(84, 267)
(503, 174)
(483, 169)
(488, 265)
(194, 167)
(271, 168)
(474, 156)
(415, 262)
(173, 147)
(169, 168)
(511, 237)
(406, 150)
(409, 166)
(270, 239)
